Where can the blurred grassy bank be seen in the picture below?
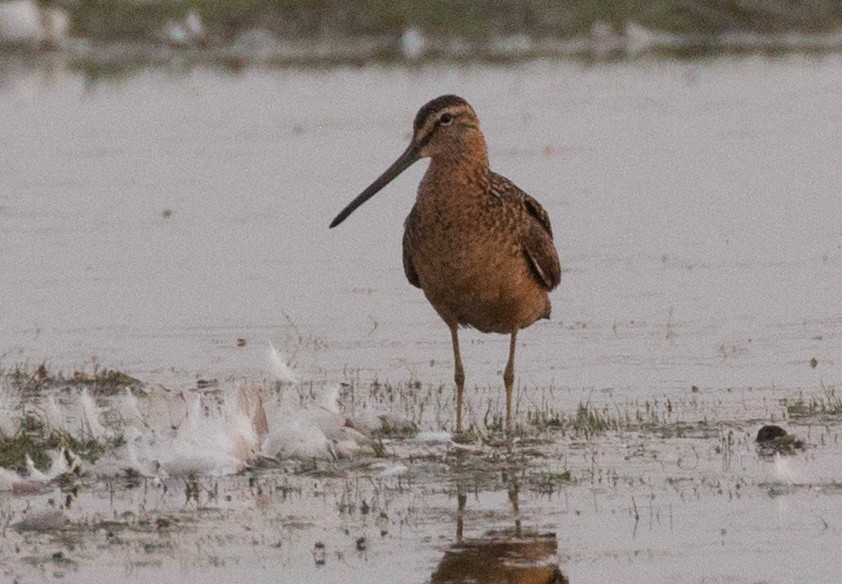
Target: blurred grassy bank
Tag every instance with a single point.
(471, 19)
(104, 34)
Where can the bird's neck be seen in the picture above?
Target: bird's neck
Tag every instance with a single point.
(463, 169)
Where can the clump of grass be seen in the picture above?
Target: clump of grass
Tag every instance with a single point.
(391, 427)
(33, 439)
(13, 452)
(590, 421)
(826, 405)
(28, 380)
(89, 449)
(409, 402)
(549, 482)
(494, 422)
(587, 421)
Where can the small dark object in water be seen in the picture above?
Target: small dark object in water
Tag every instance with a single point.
(770, 432)
(772, 439)
(192, 489)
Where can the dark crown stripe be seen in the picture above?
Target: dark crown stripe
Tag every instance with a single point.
(432, 107)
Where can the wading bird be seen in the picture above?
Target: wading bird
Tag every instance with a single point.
(480, 248)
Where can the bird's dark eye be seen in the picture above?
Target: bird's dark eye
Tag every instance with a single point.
(445, 119)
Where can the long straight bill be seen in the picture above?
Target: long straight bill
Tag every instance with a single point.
(406, 159)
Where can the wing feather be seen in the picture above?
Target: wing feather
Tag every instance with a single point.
(408, 267)
(537, 236)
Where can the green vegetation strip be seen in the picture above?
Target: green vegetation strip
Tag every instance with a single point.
(127, 20)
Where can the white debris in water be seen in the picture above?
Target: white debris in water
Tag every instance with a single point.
(61, 461)
(128, 410)
(299, 438)
(193, 24)
(393, 471)
(513, 45)
(349, 442)
(433, 438)
(185, 33)
(784, 470)
(89, 416)
(20, 22)
(279, 367)
(34, 473)
(8, 479)
(218, 435)
(23, 22)
(215, 440)
(315, 428)
(167, 433)
(36, 481)
(330, 399)
(52, 416)
(413, 43)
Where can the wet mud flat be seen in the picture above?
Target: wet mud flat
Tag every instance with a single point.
(674, 494)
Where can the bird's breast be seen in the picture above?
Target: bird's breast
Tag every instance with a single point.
(472, 267)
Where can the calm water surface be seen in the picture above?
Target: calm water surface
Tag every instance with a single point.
(149, 222)
(696, 207)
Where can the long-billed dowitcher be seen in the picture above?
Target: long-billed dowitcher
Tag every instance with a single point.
(480, 248)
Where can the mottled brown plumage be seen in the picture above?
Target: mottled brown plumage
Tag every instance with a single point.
(479, 247)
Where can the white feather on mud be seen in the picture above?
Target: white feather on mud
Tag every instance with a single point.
(216, 441)
(305, 425)
(37, 482)
(33, 473)
(129, 411)
(168, 433)
(90, 418)
(52, 417)
(8, 479)
(279, 367)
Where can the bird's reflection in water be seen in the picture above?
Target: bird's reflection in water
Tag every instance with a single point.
(511, 556)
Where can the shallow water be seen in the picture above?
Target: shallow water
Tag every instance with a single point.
(695, 204)
(149, 222)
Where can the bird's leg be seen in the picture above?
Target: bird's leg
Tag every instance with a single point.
(508, 380)
(461, 495)
(458, 375)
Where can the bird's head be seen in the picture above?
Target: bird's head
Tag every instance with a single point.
(446, 128)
